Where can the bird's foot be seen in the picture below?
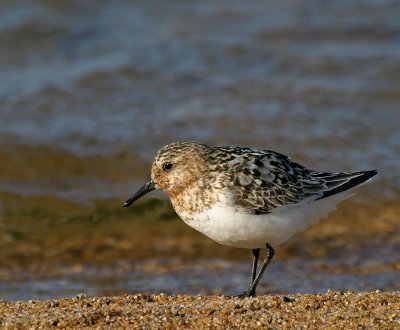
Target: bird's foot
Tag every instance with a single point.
(246, 294)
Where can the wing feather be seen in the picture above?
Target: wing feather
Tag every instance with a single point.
(266, 181)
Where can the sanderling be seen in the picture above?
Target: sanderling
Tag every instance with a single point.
(245, 197)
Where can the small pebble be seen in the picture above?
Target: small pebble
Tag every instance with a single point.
(367, 310)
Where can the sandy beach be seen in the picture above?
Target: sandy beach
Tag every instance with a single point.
(332, 310)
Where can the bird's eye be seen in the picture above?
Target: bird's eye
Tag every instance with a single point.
(167, 166)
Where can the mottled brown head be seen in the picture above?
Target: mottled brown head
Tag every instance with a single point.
(179, 165)
(176, 167)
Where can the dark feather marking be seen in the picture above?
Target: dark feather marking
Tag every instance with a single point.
(277, 181)
(356, 178)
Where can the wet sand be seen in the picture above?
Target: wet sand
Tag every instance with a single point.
(333, 310)
(54, 248)
(48, 231)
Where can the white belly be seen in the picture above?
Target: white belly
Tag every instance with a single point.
(226, 225)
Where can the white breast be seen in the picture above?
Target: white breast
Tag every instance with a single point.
(228, 225)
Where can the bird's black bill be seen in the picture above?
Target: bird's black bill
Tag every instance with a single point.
(149, 186)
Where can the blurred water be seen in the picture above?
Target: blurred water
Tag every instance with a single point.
(317, 80)
(205, 276)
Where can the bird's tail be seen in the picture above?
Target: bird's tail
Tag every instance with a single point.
(339, 182)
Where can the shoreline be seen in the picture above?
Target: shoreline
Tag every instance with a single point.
(109, 251)
(350, 310)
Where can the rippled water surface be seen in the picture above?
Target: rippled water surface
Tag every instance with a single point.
(205, 277)
(319, 81)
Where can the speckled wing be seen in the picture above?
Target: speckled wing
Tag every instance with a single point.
(266, 181)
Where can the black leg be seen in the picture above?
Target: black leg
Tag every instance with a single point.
(270, 253)
(251, 291)
(256, 253)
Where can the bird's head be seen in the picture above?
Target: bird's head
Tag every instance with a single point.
(175, 167)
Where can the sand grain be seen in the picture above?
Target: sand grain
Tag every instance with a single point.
(322, 311)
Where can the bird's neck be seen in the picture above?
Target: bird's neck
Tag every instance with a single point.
(195, 198)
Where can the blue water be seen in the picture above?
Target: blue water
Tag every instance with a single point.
(316, 80)
(200, 277)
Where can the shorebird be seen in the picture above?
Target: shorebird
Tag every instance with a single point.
(246, 197)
